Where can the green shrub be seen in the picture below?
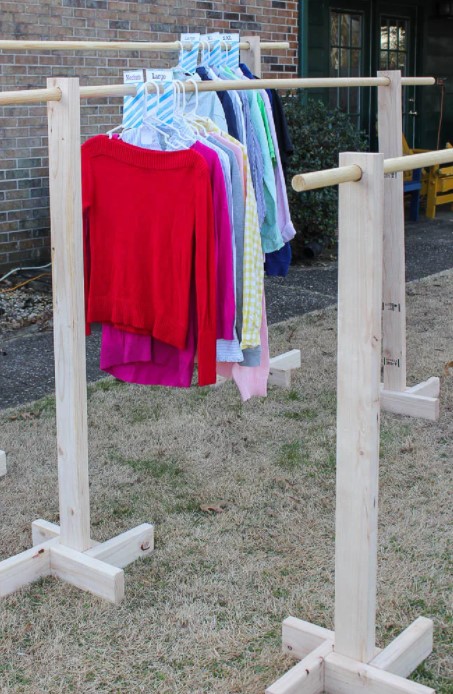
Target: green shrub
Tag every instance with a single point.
(319, 134)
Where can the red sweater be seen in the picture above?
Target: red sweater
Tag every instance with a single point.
(149, 233)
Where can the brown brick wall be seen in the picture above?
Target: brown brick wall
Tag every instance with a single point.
(24, 213)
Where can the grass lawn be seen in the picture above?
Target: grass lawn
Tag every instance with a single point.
(203, 613)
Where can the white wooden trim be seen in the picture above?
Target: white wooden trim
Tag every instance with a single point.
(306, 676)
(2, 463)
(87, 573)
(299, 638)
(358, 386)
(125, 548)
(408, 650)
(69, 314)
(346, 676)
(394, 269)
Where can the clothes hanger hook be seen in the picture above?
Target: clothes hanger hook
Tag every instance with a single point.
(157, 88)
(194, 82)
(181, 51)
(176, 95)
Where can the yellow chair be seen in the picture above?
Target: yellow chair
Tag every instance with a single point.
(436, 181)
(440, 187)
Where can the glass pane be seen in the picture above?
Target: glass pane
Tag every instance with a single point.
(334, 60)
(393, 37)
(346, 38)
(393, 60)
(384, 37)
(334, 28)
(383, 62)
(402, 37)
(355, 63)
(356, 25)
(344, 30)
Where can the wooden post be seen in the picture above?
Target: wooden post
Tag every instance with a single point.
(355, 665)
(358, 405)
(421, 400)
(252, 57)
(66, 551)
(69, 318)
(390, 121)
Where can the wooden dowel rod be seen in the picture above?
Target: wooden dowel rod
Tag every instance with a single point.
(417, 81)
(161, 46)
(418, 161)
(235, 85)
(344, 174)
(29, 96)
(267, 45)
(118, 90)
(328, 177)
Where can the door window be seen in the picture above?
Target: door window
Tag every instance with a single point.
(346, 58)
(394, 44)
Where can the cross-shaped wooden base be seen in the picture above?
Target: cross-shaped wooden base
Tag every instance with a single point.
(99, 570)
(321, 669)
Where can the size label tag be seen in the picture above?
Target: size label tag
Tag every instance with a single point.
(132, 76)
(159, 75)
(133, 106)
(231, 54)
(188, 59)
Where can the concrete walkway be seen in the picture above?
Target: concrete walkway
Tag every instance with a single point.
(26, 362)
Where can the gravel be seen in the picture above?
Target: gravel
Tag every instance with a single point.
(27, 308)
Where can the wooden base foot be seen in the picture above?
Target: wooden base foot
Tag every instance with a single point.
(307, 676)
(421, 400)
(323, 670)
(98, 570)
(2, 463)
(281, 367)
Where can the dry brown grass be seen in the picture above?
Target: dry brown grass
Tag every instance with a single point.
(203, 614)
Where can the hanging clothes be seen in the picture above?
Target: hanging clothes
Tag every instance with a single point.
(144, 246)
(248, 215)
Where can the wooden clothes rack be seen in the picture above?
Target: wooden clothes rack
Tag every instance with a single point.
(67, 550)
(346, 661)
(341, 662)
